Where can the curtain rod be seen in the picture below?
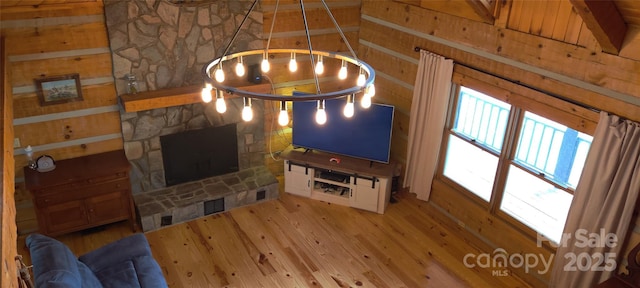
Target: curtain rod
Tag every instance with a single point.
(574, 102)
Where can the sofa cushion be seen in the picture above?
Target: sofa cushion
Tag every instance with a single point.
(128, 255)
(54, 265)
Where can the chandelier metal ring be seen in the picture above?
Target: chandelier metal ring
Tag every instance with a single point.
(274, 97)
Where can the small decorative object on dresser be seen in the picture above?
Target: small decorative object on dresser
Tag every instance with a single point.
(45, 163)
(82, 193)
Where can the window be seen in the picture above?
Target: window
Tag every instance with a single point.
(478, 130)
(511, 158)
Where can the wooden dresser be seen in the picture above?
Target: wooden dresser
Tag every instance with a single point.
(82, 193)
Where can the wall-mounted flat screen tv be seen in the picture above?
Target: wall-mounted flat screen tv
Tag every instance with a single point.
(366, 135)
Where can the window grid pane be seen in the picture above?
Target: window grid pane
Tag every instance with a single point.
(552, 149)
(481, 118)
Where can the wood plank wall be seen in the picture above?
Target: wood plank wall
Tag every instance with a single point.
(288, 32)
(54, 38)
(389, 32)
(8, 232)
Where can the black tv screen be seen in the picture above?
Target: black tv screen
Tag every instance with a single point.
(366, 135)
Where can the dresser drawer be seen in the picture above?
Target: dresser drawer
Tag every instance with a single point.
(85, 184)
(54, 196)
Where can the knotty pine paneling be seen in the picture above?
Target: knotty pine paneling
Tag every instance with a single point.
(36, 9)
(403, 42)
(8, 249)
(456, 8)
(394, 93)
(317, 18)
(88, 66)
(46, 39)
(28, 104)
(395, 67)
(552, 19)
(544, 53)
(61, 130)
(323, 42)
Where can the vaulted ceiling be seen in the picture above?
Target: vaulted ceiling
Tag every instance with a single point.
(609, 21)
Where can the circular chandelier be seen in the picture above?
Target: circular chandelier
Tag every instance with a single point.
(214, 74)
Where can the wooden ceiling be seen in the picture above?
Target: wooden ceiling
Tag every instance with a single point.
(565, 20)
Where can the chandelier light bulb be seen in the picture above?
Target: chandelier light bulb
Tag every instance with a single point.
(283, 118)
(342, 74)
(365, 102)
(247, 114)
(219, 74)
(370, 91)
(293, 65)
(321, 114)
(221, 106)
(349, 110)
(206, 93)
(265, 66)
(240, 68)
(361, 79)
(319, 66)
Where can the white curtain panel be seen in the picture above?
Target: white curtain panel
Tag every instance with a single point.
(431, 94)
(603, 202)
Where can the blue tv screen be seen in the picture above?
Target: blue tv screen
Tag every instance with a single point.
(366, 135)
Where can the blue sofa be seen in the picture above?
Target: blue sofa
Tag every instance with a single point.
(124, 263)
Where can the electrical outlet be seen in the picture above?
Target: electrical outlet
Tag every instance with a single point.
(16, 143)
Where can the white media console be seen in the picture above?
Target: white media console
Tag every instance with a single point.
(338, 179)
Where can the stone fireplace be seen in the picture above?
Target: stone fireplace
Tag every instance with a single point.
(158, 204)
(165, 45)
(142, 131)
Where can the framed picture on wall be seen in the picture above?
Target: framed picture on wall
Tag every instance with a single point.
(59, 89)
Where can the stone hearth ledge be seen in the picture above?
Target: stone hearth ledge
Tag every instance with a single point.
(184, 202)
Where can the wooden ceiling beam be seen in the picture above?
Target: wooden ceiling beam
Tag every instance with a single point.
(483, 8)
(605, 22)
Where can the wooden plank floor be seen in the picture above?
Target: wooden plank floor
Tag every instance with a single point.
(298, 242)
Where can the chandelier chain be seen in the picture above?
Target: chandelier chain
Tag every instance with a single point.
(335, 23)
(273, 23)
(311, 58)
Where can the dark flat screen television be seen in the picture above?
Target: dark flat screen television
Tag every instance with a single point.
(366, 135)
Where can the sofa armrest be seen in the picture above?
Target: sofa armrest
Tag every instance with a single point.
(54, 265)
(116, 252)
